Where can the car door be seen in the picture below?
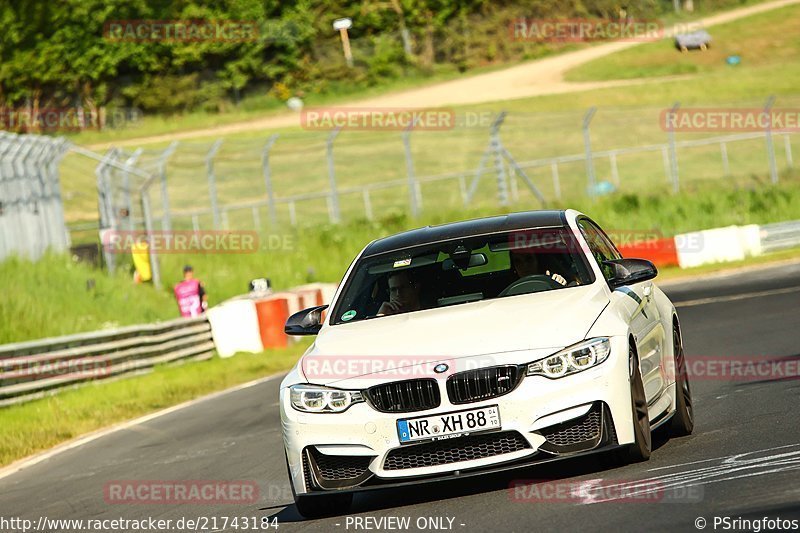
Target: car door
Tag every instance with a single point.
(638, 301)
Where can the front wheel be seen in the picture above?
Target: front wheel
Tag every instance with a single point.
(683, 420)
(643, 442)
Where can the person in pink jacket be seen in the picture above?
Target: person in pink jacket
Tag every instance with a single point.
(190, 294)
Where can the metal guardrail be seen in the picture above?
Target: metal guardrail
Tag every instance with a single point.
(33, 369)
(780, 236)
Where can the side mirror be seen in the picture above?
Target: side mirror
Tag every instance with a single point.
(305, 322)
(630, 271)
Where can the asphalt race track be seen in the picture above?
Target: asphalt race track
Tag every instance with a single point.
(743, 460)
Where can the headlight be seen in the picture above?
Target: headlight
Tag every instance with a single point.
(581, 356)
(316, 399)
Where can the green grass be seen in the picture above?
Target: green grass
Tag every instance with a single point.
(298, 163)
(258, 106)
(765, 40)
(50, 297)
(41, 424)
(55, 296)
(535, 128)
(322, 252)
(326, 251)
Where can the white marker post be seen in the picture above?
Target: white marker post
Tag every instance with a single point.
(342, 25)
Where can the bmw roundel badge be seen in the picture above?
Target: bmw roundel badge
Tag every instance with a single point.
(441, 367)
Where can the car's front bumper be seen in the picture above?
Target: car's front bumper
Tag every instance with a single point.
(542, 420)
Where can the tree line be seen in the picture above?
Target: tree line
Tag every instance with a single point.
(166, 56)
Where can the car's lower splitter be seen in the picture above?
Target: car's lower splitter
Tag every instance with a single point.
(596, 428)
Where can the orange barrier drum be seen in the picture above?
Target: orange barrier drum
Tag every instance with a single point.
(310, 298)
(272, 315)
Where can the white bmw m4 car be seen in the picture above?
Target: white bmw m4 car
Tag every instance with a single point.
(477, 346)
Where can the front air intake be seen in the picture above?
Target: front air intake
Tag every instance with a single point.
(405, 396)
(482, 383)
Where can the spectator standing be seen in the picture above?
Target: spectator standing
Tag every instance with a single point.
(190, 294)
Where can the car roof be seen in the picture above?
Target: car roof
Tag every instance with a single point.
(467, 228)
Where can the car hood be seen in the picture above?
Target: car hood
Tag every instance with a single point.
(543, 322)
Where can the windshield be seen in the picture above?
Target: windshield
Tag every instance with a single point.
(462, 271)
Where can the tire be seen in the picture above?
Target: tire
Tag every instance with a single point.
(682, 422)
(643, 441)
(329, 504)
(321, 505)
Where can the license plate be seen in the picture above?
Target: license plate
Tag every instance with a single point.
(448, 425)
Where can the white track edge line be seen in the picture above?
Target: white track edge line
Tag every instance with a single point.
(36, 458)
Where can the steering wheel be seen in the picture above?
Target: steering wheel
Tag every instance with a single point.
(532, 283)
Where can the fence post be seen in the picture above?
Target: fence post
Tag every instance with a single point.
(105, 206)
(333, 202)
(723, 148)
(587, 143)
(166, 219)
(126, 186)
(612, 159)
(212, 185)
(412, 182)
(673, 154)
(148, 224)
(484, 157)
(773, 167)
(28, 164)
(556, 179)
(273, 216)
(787, 144)
(10, 210)
(58, 149)
(5, 245)
(367, 203)
(665, 159)
(513, 182)
(499, 164)
(462, 189)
